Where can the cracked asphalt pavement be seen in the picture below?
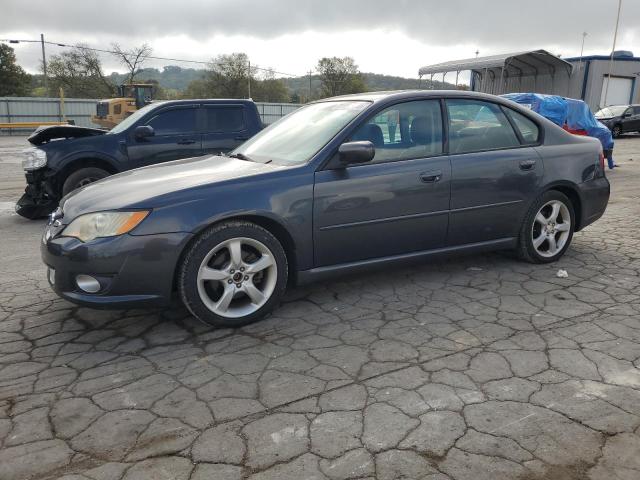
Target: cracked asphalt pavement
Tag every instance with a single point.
(478, 367)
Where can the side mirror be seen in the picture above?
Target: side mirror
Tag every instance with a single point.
(143, 131)
(356, 152)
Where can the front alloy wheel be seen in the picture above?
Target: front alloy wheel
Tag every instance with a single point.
(234, 274)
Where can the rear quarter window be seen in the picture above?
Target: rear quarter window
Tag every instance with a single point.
(528, 129)
(225, 119)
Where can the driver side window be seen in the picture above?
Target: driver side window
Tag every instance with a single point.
(404, 131)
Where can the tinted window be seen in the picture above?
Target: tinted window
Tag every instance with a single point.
(475, 125)
(528, 129)
(174, 121)
(404, 131)
(636, 110)
(225, 119)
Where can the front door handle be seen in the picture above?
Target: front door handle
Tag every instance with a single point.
(241, 137)
(527, 164)
(431, 177)
(186, 141)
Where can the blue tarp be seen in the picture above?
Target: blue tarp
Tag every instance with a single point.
(575, 114)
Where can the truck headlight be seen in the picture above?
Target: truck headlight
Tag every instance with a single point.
(103, 224)
(34, 158)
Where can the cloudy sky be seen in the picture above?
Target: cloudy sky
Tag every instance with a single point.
(393, 37)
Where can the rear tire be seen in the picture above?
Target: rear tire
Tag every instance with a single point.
(234, 274)
(547, 230)
(82, 177)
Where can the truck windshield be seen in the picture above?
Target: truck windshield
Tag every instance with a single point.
(133, 118)
(300, 135)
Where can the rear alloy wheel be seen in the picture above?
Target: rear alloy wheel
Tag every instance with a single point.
(234, 274)
(616, 131)
(548, 228)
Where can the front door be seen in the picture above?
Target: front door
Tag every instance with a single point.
(176, 135)
(495, 170)
(397, 203)
(225, 128)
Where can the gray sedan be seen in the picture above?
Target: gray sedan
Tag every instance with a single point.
(340, 185)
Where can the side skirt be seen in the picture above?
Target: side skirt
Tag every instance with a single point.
(322, 273)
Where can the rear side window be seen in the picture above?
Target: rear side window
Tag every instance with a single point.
(224, 119)
(476, 126)
(636, 110)
(528, 129)
(174, 122)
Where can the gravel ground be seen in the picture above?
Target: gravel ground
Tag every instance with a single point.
(480, 367)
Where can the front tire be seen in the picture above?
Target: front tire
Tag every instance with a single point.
(234, 274)
(82, 177)
(547, 230)
(616, 131)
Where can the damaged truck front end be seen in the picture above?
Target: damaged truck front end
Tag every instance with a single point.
(41, 194)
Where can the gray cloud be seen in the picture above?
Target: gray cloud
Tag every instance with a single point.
(507, 24)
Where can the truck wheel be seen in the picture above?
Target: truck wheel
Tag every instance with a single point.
(82, 177)
(233, 274)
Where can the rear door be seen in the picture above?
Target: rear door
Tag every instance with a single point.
(176, 135)
(225, 128)
(634, 120)
(397, 203)
(495, 170)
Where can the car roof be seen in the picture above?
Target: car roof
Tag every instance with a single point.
(385, 96)
(191, 101)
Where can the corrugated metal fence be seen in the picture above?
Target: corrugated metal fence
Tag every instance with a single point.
(80, 110)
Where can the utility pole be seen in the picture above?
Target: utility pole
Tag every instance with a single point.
(44, 63)
(613, 49)
(477, 53)
(249, 78)
(584, 36)
(310, 72)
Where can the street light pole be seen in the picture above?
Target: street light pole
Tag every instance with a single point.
(584, 36)
(44, 62)
(613, 49)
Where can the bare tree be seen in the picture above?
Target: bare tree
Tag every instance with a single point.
(132, 59)
(79, 72)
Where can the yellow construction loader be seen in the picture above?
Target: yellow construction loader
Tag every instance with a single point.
(131, 97)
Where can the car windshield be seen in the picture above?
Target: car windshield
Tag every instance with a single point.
(300, 135)
(133, 118)
(614, 111)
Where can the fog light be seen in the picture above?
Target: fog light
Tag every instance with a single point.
(87, 283)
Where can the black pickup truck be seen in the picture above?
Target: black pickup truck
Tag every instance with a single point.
(67, 157)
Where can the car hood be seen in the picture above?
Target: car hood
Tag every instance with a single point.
(56, 132)
(158, 185)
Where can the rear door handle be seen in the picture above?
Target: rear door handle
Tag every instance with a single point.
(527, 164)
(186, 141)
(431, 177)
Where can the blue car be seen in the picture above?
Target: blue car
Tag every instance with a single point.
(341, 185)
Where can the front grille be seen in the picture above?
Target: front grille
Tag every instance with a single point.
(102, 109)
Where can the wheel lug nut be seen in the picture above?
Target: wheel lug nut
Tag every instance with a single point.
(229, 281)
(232, 271)
(246, 277)
(242, 269)
(238, 285)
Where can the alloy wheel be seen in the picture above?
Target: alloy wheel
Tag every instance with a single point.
(551, 228)
(237, 277)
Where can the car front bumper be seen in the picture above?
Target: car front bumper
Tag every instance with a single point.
(133, 271)
(39, 198)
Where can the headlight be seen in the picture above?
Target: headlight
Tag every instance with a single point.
(103, 224)
(34, 158)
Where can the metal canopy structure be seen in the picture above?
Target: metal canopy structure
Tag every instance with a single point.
(491, 73)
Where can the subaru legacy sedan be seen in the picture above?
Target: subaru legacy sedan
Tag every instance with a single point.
(340, 185)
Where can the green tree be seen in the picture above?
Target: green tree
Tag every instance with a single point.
(339, 76)
(79, 72)
(227, 76)
(14, 81)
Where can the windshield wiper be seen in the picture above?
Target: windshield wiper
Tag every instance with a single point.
(240, 156)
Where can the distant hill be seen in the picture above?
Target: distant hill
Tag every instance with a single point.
(171, 76)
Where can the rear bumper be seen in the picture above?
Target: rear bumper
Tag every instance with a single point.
(133, 271)
(595, 198)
